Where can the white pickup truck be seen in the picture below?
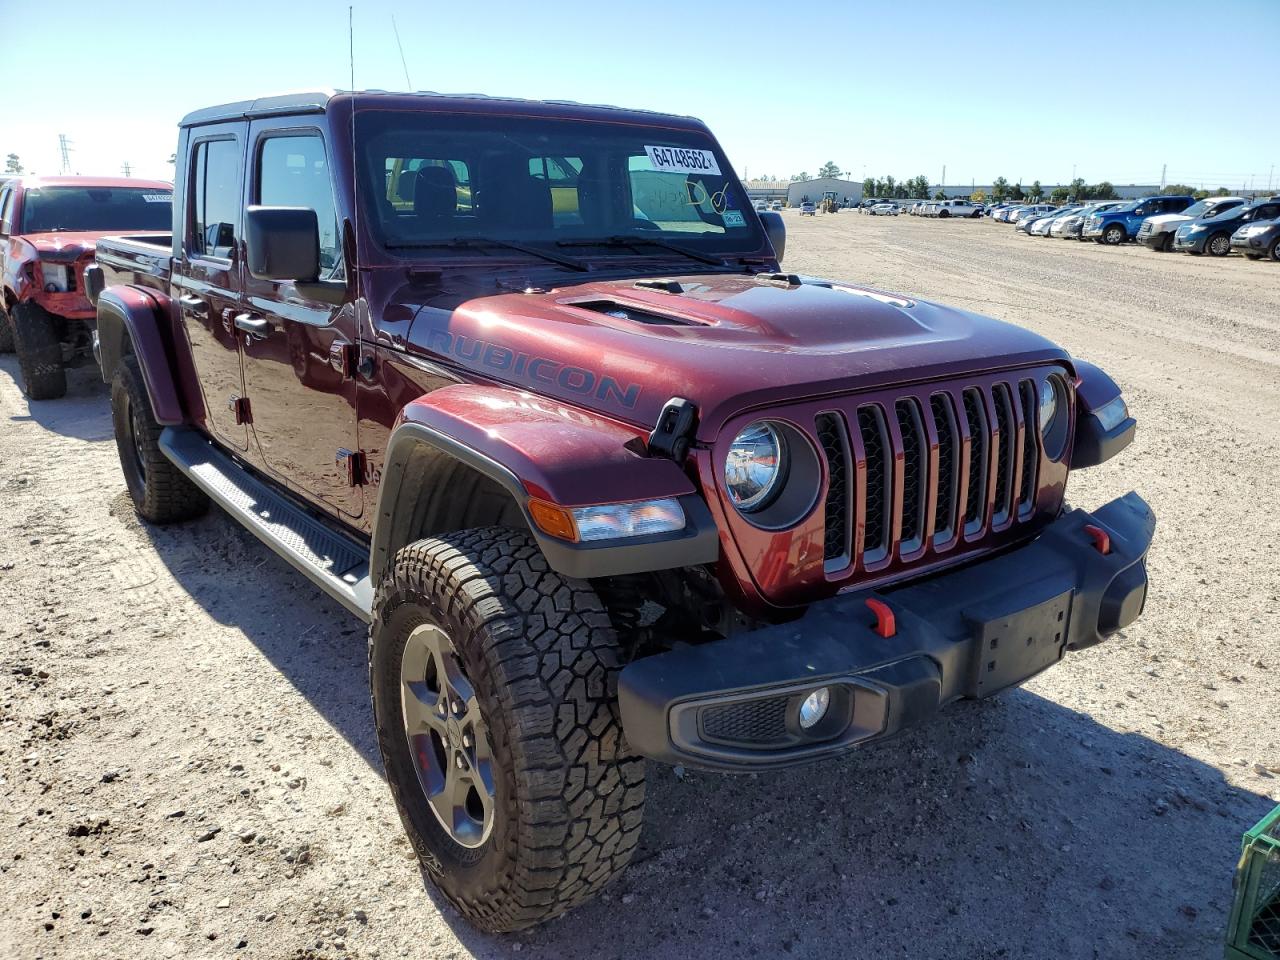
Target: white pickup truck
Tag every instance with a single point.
(959, 208)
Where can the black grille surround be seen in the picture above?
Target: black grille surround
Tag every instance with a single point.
(759, 722)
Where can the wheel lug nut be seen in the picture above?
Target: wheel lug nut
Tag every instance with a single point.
(466, 740)
(461, 763)
(457, 706)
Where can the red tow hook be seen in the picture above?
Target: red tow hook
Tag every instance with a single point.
(886, 626)
(1101, 539)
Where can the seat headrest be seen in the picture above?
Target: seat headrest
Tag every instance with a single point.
(435, 193)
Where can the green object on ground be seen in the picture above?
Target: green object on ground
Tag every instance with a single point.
(1254, 930)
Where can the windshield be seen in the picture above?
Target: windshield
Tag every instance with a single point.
(96, 209)
(434, 179)
(1225, 211)
(1197, 208)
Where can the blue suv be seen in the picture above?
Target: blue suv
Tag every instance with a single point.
(1116, 226)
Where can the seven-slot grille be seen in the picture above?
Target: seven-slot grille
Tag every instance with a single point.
(917, 473)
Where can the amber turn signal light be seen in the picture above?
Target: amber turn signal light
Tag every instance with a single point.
(553, 520)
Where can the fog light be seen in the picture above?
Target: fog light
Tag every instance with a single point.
(814, 707)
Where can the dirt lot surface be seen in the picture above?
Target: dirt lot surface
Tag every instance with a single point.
(188, 768)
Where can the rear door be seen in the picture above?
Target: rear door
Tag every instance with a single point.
(207, 276)
(300, 354)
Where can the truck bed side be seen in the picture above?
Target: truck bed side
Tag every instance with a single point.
(140, 259)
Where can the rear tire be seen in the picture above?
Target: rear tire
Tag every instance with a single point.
(535, 660)
(1114, 235)
(39, 349)
(161, 493)
(6, 332)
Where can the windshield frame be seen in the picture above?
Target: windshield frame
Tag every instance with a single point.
(374, 120)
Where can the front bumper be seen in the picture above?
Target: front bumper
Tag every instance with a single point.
(733, 704)
(1254, 245)
(1192, 242)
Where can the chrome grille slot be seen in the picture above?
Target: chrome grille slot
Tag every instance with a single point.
(1030, 446)
(1006, 448)
(915, 480)
(979, 447)
(879, 481)
(944, 424)
(833, 439)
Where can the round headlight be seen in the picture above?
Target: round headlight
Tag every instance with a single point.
(1048, 405)
(1054, 417)
(753, 468)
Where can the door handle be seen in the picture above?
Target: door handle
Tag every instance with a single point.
(196, 305)
(257, 327)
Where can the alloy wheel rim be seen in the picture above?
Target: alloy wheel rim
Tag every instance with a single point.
(1219, 245)
(447, 737)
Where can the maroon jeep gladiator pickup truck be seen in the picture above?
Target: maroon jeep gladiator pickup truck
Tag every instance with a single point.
(523, 386)
(48, 228)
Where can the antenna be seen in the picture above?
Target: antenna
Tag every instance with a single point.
(407, 81)
(355, 162)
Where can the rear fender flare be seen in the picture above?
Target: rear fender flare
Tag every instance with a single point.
(127, 312)
(534, 447)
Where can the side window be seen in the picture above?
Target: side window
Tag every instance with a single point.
(215, 199)
(294, 172)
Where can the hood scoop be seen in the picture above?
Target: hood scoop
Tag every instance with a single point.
(622, 311)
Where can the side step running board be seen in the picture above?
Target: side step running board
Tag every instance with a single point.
(339, 565)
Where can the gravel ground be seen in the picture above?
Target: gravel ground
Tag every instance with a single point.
(187, 767)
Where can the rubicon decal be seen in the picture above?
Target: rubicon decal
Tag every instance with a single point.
(536, 371)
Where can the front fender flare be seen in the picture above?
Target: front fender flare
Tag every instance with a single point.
(130, 312)
(534, 447)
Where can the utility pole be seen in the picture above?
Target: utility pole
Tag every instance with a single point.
(943, 185)
(1269, 176)
(126, 169)
(64, 145)
(1163, 170)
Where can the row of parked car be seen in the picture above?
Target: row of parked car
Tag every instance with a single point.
(1216, 226)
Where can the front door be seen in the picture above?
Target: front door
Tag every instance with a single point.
(207, 276)
(299, 354)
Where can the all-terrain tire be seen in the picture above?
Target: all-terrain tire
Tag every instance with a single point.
(35, 338)
(6, 332)
(161, 493)
(541, 655)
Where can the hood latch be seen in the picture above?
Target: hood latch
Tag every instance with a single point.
(674, 431)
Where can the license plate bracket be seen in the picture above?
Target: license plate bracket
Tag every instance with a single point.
(1015, 645)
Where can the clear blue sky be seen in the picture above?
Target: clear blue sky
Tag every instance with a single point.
(879, 88)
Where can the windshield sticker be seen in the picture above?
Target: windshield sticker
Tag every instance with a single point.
(682, 160)
(734, 218)
(158, 197)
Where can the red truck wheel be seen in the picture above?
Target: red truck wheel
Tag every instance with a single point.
(494, 684)
(6, 332)
(35, 338)
(160, 491)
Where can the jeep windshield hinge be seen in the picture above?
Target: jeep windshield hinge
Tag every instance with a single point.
(674, 431)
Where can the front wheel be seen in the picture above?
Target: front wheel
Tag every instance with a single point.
(944, 214)
(6, 332)
(160, 491)
(1274, 252)
(1114, 235)
(1219, 245)
(494, 684)
(1166, 244)
(39, 349)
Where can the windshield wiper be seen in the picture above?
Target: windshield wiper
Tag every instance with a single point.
(474, 242)
(633, 241)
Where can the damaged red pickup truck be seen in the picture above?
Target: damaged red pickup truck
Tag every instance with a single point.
(48, 228)
(523, 386)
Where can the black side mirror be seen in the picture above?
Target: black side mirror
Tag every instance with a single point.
(776, 230)
(282, 243)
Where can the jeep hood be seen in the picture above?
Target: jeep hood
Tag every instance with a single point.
(729, 343)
